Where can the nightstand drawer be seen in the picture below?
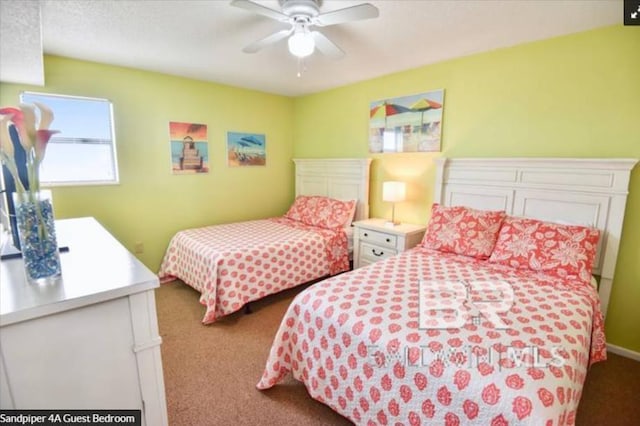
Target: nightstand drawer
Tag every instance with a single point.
(374, 240)
(375, 253)
(378, 238)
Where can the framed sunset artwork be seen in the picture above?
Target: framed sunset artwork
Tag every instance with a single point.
(189, 148)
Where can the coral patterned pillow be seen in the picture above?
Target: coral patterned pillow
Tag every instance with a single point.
(320, 211)
(463, 230)
(563, 251)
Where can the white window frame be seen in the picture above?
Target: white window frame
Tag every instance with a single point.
(114, 152)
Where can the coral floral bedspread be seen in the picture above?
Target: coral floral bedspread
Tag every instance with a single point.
(236, 263)
(355, 342)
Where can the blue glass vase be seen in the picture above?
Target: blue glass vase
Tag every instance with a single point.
(37, 234)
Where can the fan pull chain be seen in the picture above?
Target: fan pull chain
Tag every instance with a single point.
(302, 67)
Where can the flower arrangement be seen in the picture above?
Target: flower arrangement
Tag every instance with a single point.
(33, 210)
(34, 141)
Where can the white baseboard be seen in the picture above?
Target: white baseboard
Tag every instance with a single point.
(627, 353)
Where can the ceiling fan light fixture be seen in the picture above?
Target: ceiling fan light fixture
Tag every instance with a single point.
(304, 16)
(301, 44)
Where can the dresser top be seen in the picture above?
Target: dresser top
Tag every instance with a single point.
(96, 268)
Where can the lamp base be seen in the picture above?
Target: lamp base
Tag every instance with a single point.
(393, 222)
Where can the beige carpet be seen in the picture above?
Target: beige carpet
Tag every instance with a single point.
(211, 371)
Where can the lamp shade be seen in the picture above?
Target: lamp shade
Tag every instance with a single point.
(301, 44)
(394, 191)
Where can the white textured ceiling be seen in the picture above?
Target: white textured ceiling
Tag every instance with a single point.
(204, 39)
(21, 43)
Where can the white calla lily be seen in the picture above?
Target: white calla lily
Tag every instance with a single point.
(33, 140)
(46, 116)
(28, 130)
(6, 145)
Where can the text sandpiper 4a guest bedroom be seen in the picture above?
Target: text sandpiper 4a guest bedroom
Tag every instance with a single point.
(319, 212)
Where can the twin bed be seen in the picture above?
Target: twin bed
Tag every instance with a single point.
(364, 342)
(234, 264)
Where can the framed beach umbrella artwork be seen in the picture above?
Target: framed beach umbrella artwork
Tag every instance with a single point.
(407, 124)
(246, 149)
(189, 148)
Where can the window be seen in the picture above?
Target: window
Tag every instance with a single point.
(84, 152)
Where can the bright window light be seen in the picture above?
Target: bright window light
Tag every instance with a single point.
(84, 152)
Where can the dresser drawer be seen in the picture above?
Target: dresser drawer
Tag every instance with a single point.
(375, 253)
(378, 238)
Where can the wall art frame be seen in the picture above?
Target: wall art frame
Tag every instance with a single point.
(189, 148)
(407, 124)
(246, 149)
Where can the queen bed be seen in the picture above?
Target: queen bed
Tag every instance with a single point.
(237, 263)
(495, 325)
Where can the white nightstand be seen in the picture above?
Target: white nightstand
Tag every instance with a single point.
(374, 240)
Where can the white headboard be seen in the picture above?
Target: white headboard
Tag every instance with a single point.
(340, 178)
(590, 192)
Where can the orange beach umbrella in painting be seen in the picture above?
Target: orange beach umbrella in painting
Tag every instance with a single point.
(423, 105)
(385, 110)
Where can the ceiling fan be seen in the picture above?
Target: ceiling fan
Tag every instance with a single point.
(303, 15)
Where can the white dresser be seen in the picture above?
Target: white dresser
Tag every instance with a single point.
(90, 341)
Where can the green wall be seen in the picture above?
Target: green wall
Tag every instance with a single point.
(150, 204)
(572, 96)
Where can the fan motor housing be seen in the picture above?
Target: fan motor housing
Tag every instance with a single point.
(310, 8)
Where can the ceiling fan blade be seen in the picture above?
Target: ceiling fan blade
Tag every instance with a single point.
(354, 13)
(326, 46)
(259, 9)
(270, 39)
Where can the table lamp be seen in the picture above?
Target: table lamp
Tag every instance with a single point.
(393, 192)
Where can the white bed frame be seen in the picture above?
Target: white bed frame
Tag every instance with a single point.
(590, 192)
(339, 178)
